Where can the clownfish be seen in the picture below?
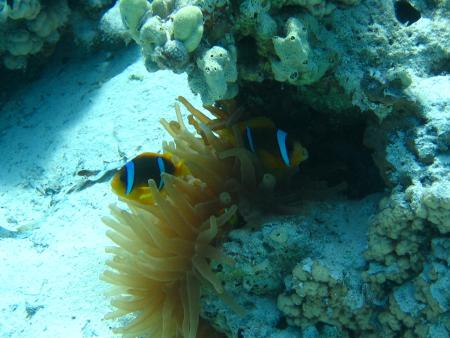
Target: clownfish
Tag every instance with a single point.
(131, 181)
(275, 148)
(277, 151)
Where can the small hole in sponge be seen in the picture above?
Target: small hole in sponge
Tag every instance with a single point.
(406, 13)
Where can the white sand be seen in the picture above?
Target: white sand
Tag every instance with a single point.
(78, 116)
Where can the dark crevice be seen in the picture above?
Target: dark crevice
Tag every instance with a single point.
(248, 51)
(334, 140)
(440, 67)
(282, 323)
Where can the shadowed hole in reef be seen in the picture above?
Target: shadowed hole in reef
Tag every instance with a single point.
(282, 323)
(334, 140)
(440, 67)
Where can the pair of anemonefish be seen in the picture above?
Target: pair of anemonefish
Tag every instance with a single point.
(275, 148)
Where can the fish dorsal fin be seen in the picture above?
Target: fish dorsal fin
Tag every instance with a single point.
(257, 122)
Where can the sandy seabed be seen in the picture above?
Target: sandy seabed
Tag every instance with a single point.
(81, 116)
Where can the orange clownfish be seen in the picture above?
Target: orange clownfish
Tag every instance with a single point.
(277, 151)
(131, 181)
(275, 148)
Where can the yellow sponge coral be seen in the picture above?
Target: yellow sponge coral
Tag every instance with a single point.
(132, 12)
(188, 26)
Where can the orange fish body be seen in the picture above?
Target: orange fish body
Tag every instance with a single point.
(131, 181)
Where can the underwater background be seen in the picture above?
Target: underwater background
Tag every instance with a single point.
(353, 242)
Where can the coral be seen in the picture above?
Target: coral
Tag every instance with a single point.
(132, 12)
(396, 240)
(188, 26)
(213, 71)
(216, 68)
(421, 305)
(306, 263)
(339, 71)
(27, 28)
(320, 298)
(406, 243)
(341, 41)
(298, 64)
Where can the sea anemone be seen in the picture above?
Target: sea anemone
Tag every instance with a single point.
(164, 249)
(161, 259)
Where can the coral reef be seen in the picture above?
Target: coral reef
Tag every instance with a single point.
(298, 271)
(26, 27)
(366, 85)
(31, 29)
(213, 66)
(342, 41)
